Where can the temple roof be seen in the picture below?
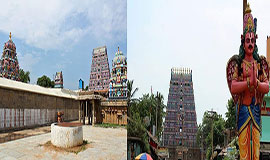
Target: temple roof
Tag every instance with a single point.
(119, 58)
(9, 44)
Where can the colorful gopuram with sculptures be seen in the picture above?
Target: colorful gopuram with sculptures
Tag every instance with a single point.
(9, 66)
(106, 99)
(118, 80)
(100, 71)
(180, 126)
(248, 81)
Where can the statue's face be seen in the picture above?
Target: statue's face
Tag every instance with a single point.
(249, 43)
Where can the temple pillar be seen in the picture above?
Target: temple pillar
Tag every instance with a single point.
(80, 112)
(88, 111)
(83, 106)
(93, 112)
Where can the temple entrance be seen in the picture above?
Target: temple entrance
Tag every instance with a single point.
(86, 112)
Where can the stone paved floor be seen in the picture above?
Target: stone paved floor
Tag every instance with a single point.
(106, 143)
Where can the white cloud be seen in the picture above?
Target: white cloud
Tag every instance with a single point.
(27, 60)
(58, 24)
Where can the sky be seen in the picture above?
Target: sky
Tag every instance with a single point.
(200, 35)
(57, 35)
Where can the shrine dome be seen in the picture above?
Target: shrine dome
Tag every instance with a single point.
(9, 44)
(119, 58)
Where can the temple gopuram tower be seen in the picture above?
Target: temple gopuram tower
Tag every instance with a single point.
(9, 66)
(180, 126)
(118, 81)
(58, 80)
(100, 72)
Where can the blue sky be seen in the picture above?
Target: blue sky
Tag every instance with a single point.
(201, 35)
(60, 35)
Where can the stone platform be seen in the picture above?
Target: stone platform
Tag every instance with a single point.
(106, 143)
(66, 134)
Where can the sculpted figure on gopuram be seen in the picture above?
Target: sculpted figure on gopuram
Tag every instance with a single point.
(248, 81)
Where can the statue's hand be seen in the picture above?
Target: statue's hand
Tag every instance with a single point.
(255, 74)
(251, 77)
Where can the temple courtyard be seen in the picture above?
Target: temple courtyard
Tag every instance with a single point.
(103, 143)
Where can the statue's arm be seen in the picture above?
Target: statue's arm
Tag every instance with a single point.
(263, 87)
(238, 87)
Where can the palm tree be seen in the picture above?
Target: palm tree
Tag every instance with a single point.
(159, 111)
(130, 94)
(24, 76)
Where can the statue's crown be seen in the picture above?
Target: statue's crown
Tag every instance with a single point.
(249, 24)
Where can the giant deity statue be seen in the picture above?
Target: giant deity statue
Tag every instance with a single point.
(248, 81)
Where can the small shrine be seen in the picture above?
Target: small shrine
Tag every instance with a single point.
(58, 80)
(9, 66)
(118, 80)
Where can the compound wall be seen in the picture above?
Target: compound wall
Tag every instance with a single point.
(22, 109)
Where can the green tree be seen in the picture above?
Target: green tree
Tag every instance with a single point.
(204, 135)
(230, 115)
(130, 94)
(45, 81)
(136, 128)
(159, 113)
(24, 76)
(143, 110)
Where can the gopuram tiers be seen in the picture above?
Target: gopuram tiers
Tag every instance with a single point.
(9, 66)
(118, 81)
(180, 122)
(100, 72)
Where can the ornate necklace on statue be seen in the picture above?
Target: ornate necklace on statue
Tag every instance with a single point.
(248, 64)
